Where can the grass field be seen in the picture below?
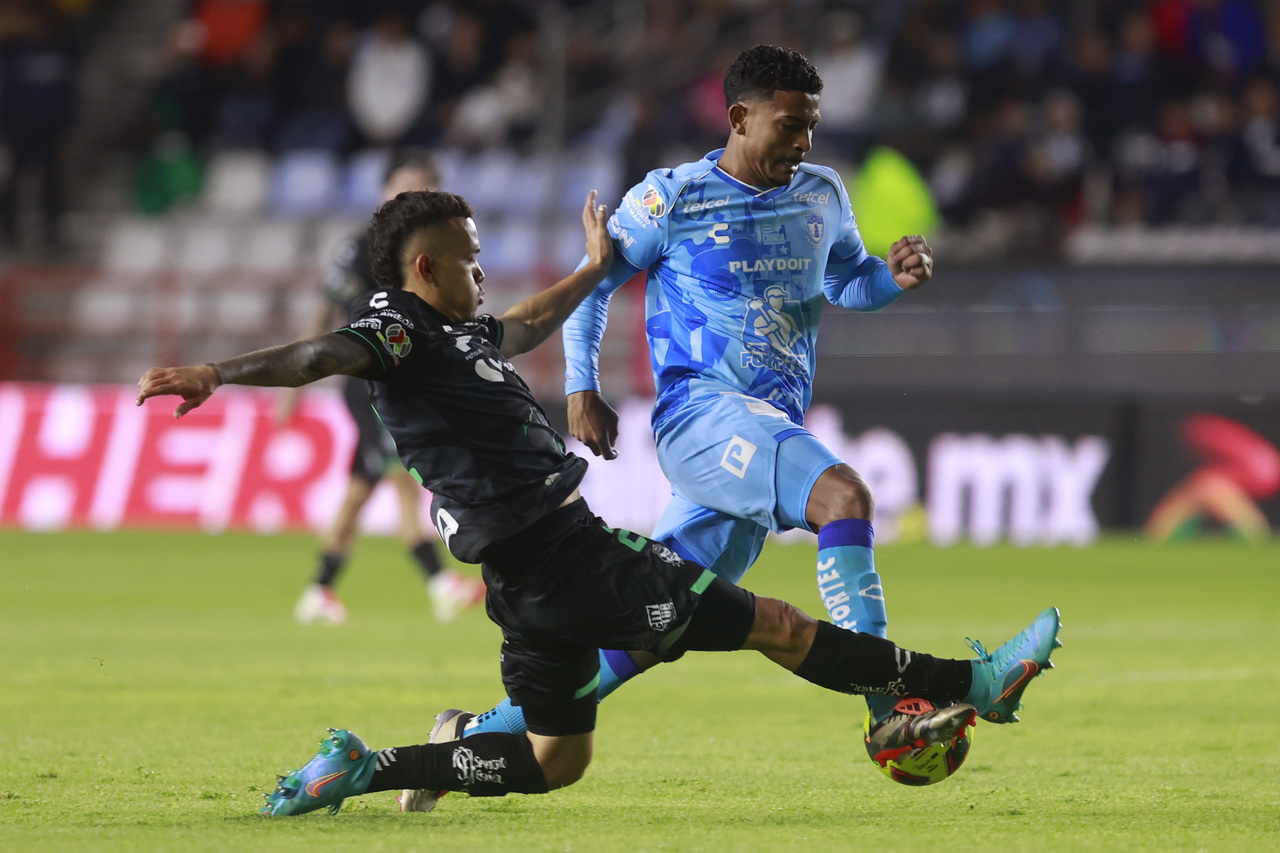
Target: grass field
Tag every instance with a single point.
(154, 684)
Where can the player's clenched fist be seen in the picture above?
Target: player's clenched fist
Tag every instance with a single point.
(911, 262)
(193, 384)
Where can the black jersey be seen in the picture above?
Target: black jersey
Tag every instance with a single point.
(464, 422)
(350, 274)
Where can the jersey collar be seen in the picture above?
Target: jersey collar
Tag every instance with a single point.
(755, 192)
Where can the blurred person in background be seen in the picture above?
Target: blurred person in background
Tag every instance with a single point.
(390, 80)
(349, 278)
(37, 109)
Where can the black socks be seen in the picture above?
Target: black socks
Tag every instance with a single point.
(425, 553)
(330, 565)
(483, 765)
(849, 662)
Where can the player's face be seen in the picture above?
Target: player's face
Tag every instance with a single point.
(455, 270)
(778, 133)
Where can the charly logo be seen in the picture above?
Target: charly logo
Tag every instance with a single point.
(471, 768)
(902, 658)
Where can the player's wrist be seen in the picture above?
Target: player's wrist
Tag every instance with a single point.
(217, 375)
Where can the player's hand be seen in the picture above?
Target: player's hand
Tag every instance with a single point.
(593, 422)
(595, 218)
(911, 262)
(193, 384)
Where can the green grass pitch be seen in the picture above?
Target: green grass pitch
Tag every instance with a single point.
(154, 684)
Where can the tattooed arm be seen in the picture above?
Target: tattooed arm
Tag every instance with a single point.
(290, 365)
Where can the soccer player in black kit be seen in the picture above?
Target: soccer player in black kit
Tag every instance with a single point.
(561, 584)
(348, 280)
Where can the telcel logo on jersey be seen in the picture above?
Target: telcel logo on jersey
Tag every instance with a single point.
(813, 198)
(699, 206)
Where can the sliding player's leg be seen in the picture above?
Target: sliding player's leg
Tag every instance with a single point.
(725, 544)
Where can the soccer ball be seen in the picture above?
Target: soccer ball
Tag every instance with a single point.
(915, 766)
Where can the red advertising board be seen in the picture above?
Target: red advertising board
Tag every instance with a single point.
(88, 457)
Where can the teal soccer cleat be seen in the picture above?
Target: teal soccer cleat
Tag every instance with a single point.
(342, 768)
(1000, 677)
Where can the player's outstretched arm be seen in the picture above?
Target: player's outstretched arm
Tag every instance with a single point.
(534, 320)
(324, 318)
(287, 366)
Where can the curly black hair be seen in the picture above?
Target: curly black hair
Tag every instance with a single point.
(400, 218)
(760, 71)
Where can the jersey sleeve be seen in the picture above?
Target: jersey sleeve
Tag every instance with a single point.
(584, 330)
(639, 231)
(639, 225)
(381, 323)
(491, 328)
(856, 279)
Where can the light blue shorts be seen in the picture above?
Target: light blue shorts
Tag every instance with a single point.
(738, 468)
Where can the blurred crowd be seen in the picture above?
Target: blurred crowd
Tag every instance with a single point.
(1045, 112)
(40, 45)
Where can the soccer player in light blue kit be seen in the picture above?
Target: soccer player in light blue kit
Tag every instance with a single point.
(741, 249)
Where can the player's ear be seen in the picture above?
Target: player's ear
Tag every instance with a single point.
(422, 268)
(738, 118)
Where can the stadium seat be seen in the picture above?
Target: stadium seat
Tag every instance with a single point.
(494, 177)
(205, 247)
(237, 182)
(512, 247)
(453, 173)
(136, 246)
(242, 311)
(270, 246)
(579, 172)
(329, 233)
(565, 247)
(304, 183)
(362, 181)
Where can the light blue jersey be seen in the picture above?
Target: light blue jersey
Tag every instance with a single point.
(736, 280)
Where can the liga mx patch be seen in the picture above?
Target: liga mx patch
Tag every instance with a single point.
(652, 202)
(814, 227)
(396, 340)
(661, 615)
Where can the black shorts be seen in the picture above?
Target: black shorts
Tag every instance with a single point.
(374, 448)
(569, 586)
